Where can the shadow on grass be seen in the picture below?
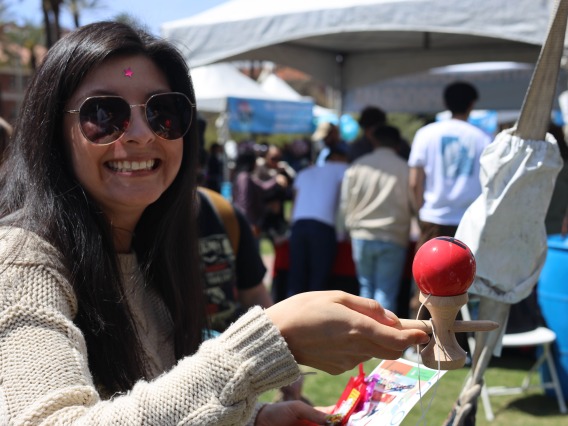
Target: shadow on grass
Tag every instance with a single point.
(534, 405)
(514, 359)
(525, 409)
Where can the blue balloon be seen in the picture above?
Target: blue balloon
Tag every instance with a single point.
(348, 127)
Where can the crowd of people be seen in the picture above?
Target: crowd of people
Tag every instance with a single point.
(367, 193)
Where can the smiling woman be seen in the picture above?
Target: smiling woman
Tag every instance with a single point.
(102, 314)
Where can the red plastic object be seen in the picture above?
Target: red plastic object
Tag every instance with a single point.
(443, 266)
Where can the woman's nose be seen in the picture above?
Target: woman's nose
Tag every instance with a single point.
(138, 130)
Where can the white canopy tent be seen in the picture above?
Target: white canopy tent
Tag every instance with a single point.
(273, 84)
(215, 83)
(351, 43)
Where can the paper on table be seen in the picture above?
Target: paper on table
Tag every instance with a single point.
(399, 385)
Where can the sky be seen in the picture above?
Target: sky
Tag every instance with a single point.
(151, 13)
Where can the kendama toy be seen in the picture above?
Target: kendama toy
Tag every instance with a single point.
(444, 269)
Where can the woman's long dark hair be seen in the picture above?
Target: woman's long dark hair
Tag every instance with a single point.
(37, 181)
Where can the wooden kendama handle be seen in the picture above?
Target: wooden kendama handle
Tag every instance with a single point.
(456, 327)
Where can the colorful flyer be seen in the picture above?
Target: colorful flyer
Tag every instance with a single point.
(398, 386)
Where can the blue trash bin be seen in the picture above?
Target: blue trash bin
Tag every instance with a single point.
(552, 292)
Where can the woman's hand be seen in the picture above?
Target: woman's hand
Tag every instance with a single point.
(290, 413)
(334, 331)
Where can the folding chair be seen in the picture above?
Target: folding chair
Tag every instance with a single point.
(540, 337)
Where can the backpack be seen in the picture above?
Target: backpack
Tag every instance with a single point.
(226, 214)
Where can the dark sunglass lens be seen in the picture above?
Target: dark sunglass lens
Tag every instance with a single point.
(169, 115)
(104, 119)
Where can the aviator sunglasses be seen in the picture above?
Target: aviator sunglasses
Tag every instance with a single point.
(104, 119)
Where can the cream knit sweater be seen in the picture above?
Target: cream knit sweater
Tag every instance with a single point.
(44, 376)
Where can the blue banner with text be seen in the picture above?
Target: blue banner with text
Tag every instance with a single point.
(269, 117)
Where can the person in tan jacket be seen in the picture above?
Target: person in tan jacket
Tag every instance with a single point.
(376, 205)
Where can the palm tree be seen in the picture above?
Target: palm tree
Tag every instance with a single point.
(51, 10)
(77, 6)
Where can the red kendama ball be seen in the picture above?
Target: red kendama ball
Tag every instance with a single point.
(443, 266)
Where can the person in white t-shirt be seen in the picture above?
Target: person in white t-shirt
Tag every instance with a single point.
(313, 239)
(444, 165)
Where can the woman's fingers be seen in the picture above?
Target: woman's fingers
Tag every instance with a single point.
(367, 307)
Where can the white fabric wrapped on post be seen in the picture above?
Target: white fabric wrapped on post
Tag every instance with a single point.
(504, 226)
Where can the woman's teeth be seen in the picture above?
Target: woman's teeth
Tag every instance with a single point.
(131, 166)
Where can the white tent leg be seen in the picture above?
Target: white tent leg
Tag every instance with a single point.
(489, 415)
(484, 393)
(463, 413)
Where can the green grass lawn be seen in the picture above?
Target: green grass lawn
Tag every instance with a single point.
(529, 409)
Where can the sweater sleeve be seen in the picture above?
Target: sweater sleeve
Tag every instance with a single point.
(44, 369)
